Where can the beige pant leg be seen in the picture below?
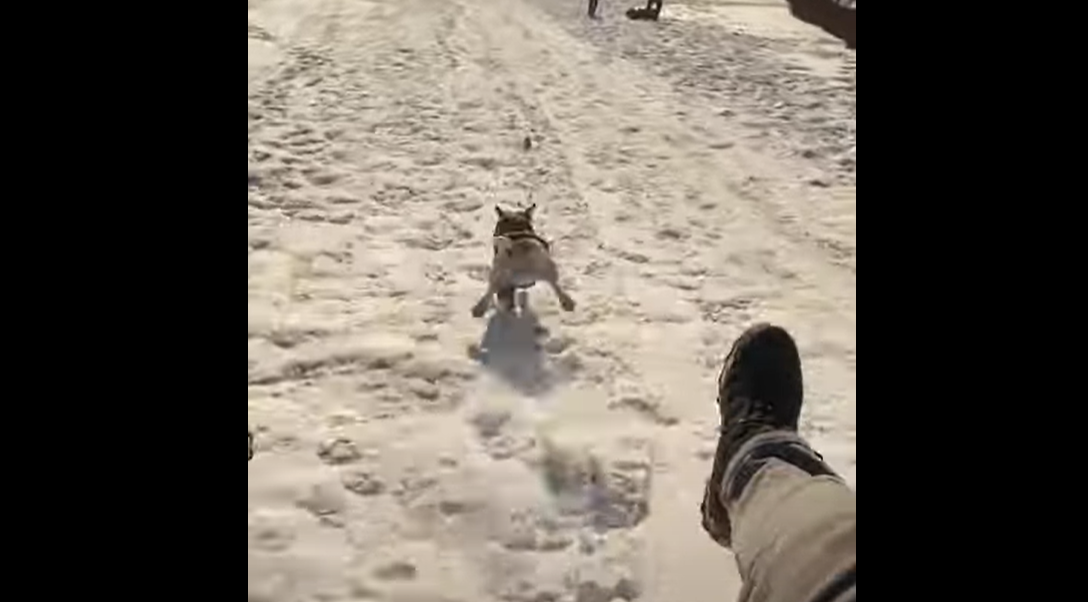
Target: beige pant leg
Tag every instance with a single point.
(793, 533)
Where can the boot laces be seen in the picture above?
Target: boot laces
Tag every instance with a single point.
(757, 411)
(749, 411)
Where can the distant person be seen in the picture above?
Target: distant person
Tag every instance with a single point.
(650, 12)
(789, 519)
(837, 17)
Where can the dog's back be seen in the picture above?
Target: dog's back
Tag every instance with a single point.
(523, 258)
(519, 251)
(520, 246)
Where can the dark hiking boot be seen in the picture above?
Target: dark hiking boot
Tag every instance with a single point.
(759, 390)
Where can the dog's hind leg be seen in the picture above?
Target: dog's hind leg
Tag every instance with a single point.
(551, 276)
(505, 298)
(521, 300)
(564, 299)
(480, 308)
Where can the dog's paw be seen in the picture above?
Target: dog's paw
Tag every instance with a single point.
(478, 311)
(567, 304)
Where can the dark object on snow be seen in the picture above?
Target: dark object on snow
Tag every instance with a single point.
(593, 9)
(650, 13)
(837, 17)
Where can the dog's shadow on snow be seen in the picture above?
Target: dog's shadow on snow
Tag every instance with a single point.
(511, 348)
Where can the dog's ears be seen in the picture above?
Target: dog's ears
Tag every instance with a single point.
(527, 212)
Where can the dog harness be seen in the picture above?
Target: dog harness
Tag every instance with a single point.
(523, 234)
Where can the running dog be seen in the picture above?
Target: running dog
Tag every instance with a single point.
(521, 258)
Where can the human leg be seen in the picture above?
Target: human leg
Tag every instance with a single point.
(837, 17)
(791, 522)
(794, 523)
